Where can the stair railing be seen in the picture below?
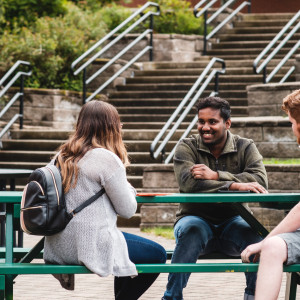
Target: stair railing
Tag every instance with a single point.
(189, 101)
(199, 11)
(142, 17)
(18, 95)
(263, 66)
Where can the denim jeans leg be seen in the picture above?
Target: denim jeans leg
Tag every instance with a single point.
(192, 236)
(140, 251)
(235, 237)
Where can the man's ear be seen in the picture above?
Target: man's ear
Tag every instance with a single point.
(228, 124)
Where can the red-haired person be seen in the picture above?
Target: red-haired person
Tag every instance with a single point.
(282, 245)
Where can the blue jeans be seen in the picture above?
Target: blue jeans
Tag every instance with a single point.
(140, 251)
(195, 236)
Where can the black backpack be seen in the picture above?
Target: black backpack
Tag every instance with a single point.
(43, 207)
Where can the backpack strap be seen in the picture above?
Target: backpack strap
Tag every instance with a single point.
(87, 202)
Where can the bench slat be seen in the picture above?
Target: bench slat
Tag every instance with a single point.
(40, 268)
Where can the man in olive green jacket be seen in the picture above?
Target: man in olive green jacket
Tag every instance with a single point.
(212, 161)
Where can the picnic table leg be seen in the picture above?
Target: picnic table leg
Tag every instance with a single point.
(291, 286)
(9, 287)
(2, 286)
(9, 250)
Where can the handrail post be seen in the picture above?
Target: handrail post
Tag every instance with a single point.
(151, 39)
(21, 109)
(84, 86)
(216, 84)
(265, 74)
(205, 34)
(163, 155)
(249, 7)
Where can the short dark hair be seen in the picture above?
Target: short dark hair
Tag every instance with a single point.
(215, 103)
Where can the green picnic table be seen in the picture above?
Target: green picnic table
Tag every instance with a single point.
(10, 269)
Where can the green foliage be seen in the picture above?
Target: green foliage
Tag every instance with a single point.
(18, 13)
(279, 161)
(113, 15)
(176, 16)
(166, 232)
(51, 34)
(51, 45)
(95, 4)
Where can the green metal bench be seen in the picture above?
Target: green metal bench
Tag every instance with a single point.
(18, 260)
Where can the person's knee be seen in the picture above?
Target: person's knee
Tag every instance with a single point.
(159, 254)
(194, 230)
(274, 248)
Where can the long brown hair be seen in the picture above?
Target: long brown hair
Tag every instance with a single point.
(98, 126)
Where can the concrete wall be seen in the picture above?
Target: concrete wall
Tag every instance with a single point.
(266, 99)
(44, 107)
(166, 47)
(272, 135)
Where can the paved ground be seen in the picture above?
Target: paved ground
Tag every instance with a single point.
(218, 286)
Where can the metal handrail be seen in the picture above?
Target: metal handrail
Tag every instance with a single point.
(263, 66)
(190, 97)
(83, 57)
(204, 11)
(18, 95)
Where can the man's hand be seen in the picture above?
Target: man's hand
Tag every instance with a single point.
(202, 171)
(248, 186)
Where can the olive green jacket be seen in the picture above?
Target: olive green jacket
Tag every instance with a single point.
(239, 161)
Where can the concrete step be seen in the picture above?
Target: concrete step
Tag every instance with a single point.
(243, 51)
(254, 30)
(136, 181)
(45, 156)
(162, 94)
(168, 102)
(26, 156)
(41, 134)
(251, 37)
(250, 44)
(268, 16)
(199, 64)
(260, 23)
(236, 111)
(29, 144)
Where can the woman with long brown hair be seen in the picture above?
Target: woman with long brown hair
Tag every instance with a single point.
(95, 157)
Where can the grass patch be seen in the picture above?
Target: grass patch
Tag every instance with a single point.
(285, 161)
(166, 232)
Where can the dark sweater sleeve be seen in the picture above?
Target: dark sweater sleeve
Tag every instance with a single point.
(184, 159)
(254, 169)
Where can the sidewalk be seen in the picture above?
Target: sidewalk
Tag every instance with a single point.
(210, 286)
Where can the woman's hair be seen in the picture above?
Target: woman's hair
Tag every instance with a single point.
(291, 104)
(215, 103)
(98, 126)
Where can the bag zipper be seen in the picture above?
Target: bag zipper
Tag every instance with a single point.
(56, 190)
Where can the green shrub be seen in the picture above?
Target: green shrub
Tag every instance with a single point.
(176, 16)
(18, 13)
(51, 45)
(113, 15)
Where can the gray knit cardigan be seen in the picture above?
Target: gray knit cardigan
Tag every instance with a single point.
(92, 237)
